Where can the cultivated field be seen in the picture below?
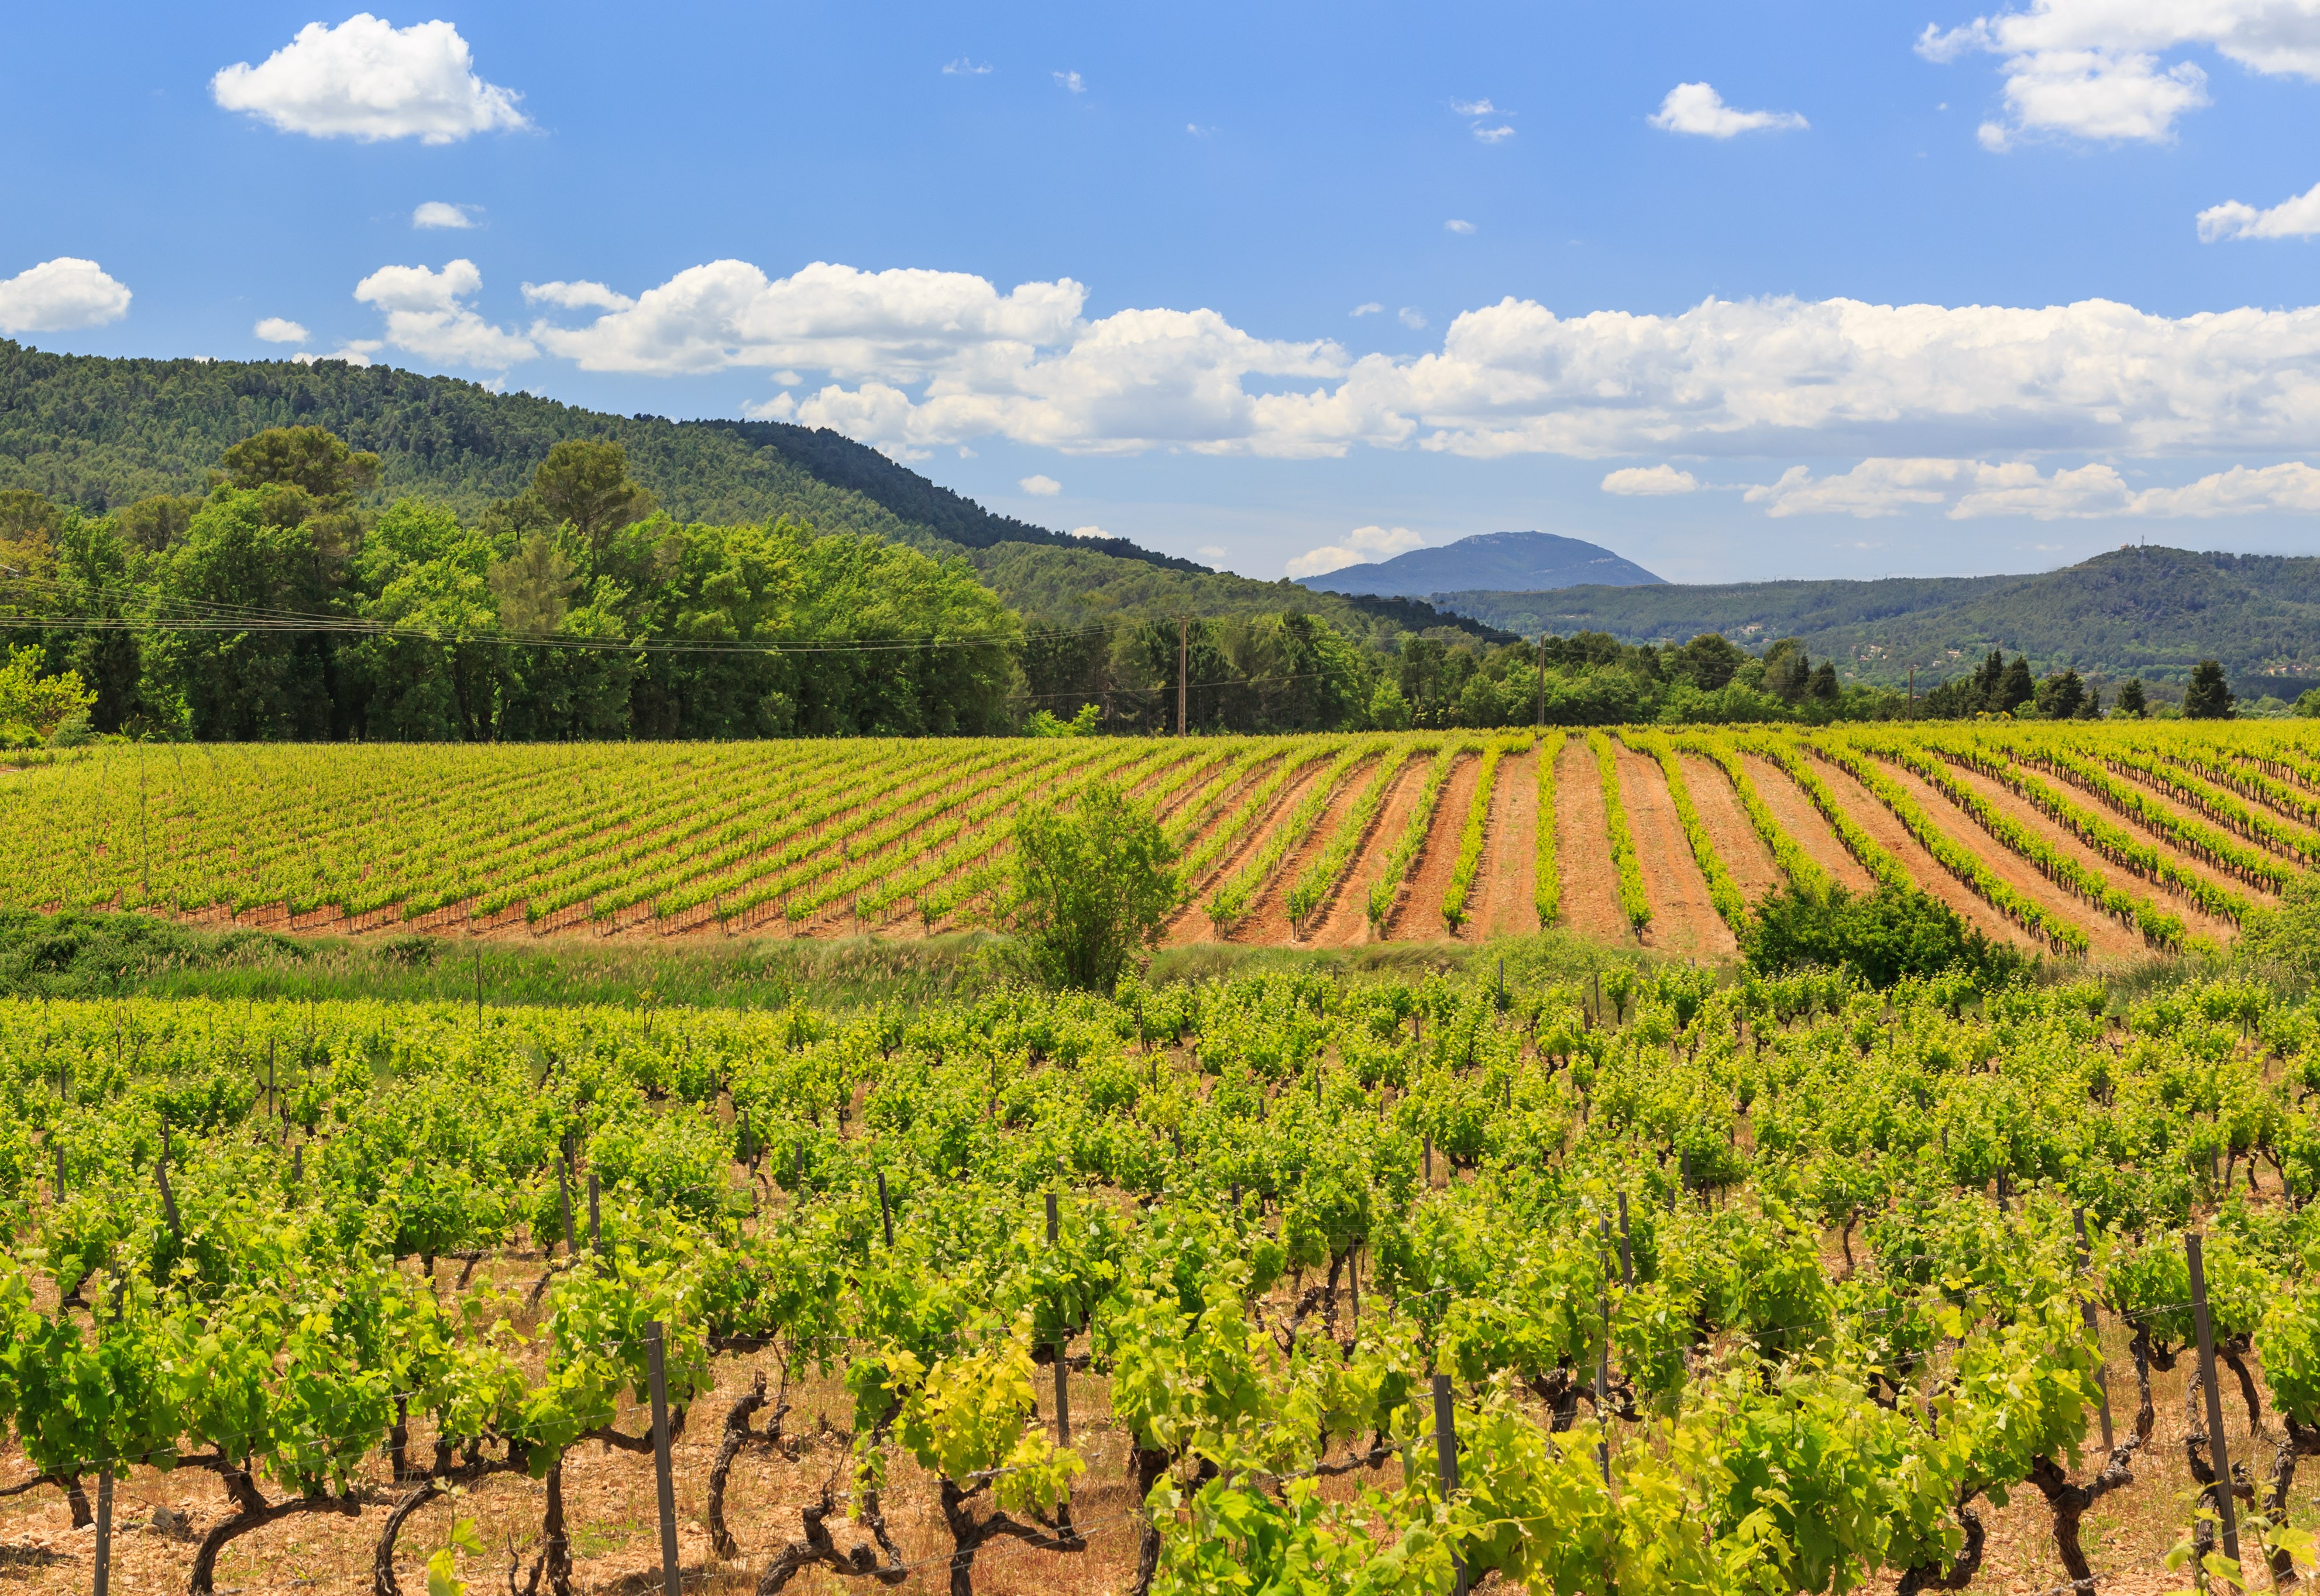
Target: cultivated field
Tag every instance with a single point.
(1717, 1290)
(2100, 841)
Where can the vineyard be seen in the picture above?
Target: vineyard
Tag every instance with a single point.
(2104, 840)
(1643, 1284)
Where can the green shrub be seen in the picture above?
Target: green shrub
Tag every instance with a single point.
(1884, 937)
(2288, 935)
(1092, 884)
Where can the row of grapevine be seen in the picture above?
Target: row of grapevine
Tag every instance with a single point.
(2187, 836)
(1634, 904)
(1546, 877)
(1385, 892)
(2227, 810)
(1238, 893)
(1803, 870)
(1217, 844)
(2119, 847)
(1961, 862)
(1471, 837)
(2251, 781)
(1497, 1256)
(2159, 928)
(1319, 881)
(1731, 904)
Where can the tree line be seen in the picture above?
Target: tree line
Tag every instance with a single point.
(281, 605)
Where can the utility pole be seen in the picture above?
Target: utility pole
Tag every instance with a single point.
(1184, 660)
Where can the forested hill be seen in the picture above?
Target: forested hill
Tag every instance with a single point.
(101, 432)
(2146, 611)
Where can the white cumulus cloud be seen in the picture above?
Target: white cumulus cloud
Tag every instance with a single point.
(1650, 481)
(1089, 532)
(962, 67)
(280, 330)
(1362, 546)
(1411, 317)
(2095, 94)
(2297, 217)
(1071, 81)
(369, 80)
(441, 214)
(1043, 486)
(919, 359)
(1455, 225)
(2092, 68)
(428, 315)
(1975, 489)
(1368, 308)
(58, 294)
(1493, 135)
(588, 296)
(1697, 108)
(1475, 108)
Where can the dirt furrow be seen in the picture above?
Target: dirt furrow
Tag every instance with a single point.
(1418, 916)
(1191, 923)
(1267, 924)
(1870, 813)
(2028, 816)
(1803, 822)
(1346, 922)
(2105, 937)
(1750, 862)
(1582, 850)
(1509, 853)
(1684, 921)
(2127, 824)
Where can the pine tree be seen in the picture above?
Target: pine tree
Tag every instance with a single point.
(2014, 688)
(2208, 698)
(2130, 697)
(2060, 698)
(1986, 679)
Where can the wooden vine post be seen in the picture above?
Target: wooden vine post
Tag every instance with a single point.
(2226, 1510)
(672, 1581)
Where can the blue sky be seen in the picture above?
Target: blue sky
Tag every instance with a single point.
(1742, 292)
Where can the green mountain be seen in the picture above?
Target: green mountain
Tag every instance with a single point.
(100, 432)
(2139, 610)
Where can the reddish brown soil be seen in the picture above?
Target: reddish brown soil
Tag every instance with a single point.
(2105, 937)
(1582, 850)
(1418, 916)
(1872, 817)
(2027, 815)
(1511, 854)
(1345, 922)
(1684, 921)
(1267, 924)
(1804, 822)
(1192, 923)
(1749, 862)
(609, 1498)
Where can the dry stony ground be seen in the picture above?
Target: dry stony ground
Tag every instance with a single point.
(610, 1501)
